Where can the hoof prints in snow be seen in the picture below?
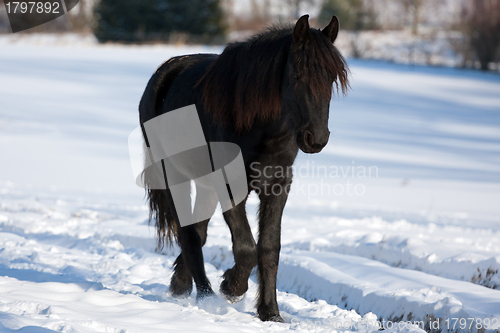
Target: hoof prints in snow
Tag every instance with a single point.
(61, 261)
(99, 272)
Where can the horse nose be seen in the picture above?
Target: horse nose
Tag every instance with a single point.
(324, 138)
(316, 142)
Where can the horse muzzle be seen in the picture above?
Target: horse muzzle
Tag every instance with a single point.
(311, 144)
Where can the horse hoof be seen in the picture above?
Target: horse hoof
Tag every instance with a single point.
(228, 295)
(184, 294)
(204, 294)
(179, 290)
(231, 299)
(275, 318)
(180, 286)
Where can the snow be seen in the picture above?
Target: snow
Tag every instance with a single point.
(397, 219)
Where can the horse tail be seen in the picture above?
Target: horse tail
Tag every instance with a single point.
(162, 212)
(160, 202)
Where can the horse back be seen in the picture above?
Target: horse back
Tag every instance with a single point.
(159, 84)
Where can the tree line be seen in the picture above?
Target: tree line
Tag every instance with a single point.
(210, 21)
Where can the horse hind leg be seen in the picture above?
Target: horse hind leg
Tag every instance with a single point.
(189, 265)
(181, 283)
(163, 209)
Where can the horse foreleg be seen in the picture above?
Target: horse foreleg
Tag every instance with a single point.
(235, 282)
(268, 248)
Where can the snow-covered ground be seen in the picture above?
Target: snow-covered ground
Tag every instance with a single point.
(397, 219)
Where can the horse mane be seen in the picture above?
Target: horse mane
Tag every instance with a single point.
(243, 85)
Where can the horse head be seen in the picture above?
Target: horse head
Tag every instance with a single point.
(313, 66)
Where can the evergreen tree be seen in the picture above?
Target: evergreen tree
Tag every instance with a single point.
(353, 15)
(132, 20)
(483, 31)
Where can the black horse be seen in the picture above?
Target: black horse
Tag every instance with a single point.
(269, 95)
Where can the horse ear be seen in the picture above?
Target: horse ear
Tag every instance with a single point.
(332, 30)
(301, 30)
